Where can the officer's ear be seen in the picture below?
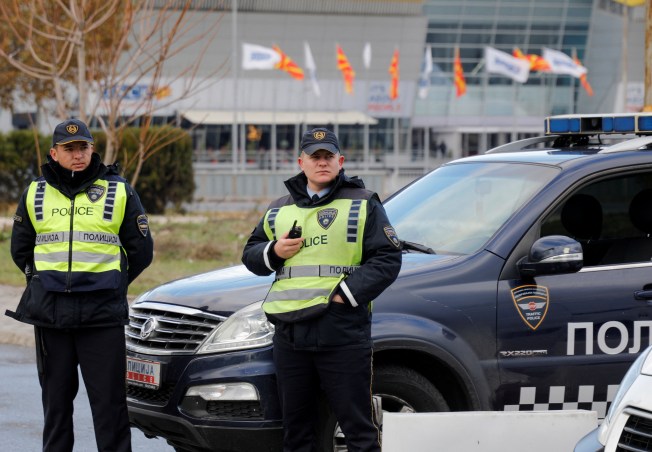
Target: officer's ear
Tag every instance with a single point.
(53, 153)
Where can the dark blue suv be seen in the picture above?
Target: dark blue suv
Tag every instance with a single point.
(526, 285)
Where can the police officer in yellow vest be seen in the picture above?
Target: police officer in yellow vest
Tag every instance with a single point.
(81, 236)
(320, 301)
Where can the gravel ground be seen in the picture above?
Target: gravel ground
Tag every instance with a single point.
(11, 331)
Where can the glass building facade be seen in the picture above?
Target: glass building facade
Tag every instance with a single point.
(511, 109)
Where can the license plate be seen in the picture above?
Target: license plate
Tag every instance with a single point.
(144, 373)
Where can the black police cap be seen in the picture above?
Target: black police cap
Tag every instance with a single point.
(69, 131)
(319, 138)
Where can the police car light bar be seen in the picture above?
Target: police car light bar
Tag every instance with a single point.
(634, 123)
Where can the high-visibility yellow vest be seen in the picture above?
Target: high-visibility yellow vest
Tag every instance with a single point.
(332, 248)
(77, 244)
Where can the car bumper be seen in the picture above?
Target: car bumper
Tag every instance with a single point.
(184, 435)
(194, 424)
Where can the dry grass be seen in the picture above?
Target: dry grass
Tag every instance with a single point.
(183, 245)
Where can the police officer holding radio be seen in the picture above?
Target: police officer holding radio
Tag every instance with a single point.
(320, 302)
(81, 236)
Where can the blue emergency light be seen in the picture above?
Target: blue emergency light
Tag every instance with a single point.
(624, 124)
(635, 123)
(645, 123)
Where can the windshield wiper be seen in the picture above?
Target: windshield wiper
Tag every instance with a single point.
(405, 245)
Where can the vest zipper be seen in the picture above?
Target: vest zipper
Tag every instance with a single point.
(69, 275)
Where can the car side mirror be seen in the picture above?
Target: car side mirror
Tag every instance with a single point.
(551, 255)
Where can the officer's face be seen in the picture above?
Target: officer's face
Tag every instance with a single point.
(321, 168)
(74, 156)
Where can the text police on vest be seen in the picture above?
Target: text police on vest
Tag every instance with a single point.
(316, 240)
(81, 210)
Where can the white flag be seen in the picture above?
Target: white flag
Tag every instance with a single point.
(505, 64)
(312, 68)
(259, 57)
(366, 55)
(560, 63)
(426, 70)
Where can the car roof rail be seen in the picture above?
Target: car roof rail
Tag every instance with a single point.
(635, 144)
(522, 145)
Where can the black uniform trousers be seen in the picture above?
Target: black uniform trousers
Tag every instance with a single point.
(345, 377)
(101, 356)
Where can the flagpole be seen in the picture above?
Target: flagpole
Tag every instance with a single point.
(274, 156)
(366, 122)
(624, 80)
(485, 86)
(423, 93)
(234, 70)
(426, 148)
(366, 56)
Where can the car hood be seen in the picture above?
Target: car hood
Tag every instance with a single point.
(226, 290)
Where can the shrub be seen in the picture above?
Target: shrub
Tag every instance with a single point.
(166, 178)
(19, 163)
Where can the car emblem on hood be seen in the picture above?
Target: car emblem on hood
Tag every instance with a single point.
(148, 328)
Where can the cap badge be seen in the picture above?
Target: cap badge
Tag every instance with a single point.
(319, 135)
(72, 129)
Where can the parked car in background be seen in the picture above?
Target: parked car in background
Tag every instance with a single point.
(628, 424)
(525, 285)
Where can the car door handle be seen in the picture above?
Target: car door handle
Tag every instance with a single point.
(643, 295)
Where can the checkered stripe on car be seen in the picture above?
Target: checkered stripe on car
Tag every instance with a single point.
(563, 398)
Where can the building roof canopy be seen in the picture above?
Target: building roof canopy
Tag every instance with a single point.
(222, 117)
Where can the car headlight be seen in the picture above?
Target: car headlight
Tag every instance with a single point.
(246, 328)
(642, 365)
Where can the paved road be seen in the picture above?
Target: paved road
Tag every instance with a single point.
(21, 414)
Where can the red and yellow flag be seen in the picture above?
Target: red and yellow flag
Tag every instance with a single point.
(394, 72)
(347, 70)
(458, 77)
(286, 64)
(585, 83)
(537, 62)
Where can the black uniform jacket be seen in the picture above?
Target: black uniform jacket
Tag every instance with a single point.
(343, 325)
(80, 309)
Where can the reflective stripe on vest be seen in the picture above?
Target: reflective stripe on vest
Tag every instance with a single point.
(110, 201)
(271, 220)
(354, 214)
(64, 236)
(77, 246)
(38, 200)
(77, 256)
(333, 238)
(301, 271)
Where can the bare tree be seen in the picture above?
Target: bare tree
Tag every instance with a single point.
(104, 49)
(47, 35)
(158, 32)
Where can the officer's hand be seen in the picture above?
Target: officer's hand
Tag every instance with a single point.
(285, 248)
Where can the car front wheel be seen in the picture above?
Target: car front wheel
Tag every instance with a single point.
(396, 389)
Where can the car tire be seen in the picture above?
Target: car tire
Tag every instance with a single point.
(401, 390)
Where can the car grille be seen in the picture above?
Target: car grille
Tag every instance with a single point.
(234, 410)
(164, 329)
(637, 434)
(153, 396)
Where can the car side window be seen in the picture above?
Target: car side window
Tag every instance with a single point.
(611, 218)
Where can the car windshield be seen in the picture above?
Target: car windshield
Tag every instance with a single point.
(457, 208)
